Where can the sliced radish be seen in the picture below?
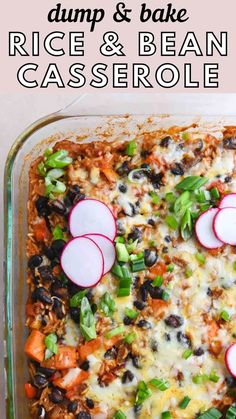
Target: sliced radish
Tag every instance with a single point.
(230, 359)
(108, 250)
(82, 261)
(91, 215)
(228, 201)
(204, 229)
(224, 225)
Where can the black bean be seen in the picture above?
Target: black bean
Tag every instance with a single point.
(229, 143)
(156, 179)
(165, 142)
(150, 257)
(128, 376)
(122, 188)
(123, 169)
(56, 396)
(46, 273)
(42, 206)
(40, 381)
(75, 314)
(48, 372)
(209, 292)
(136, 234)
(165, 250)
(228, 179)
(137, 409)
(89, 403)
(127, 321)
(74, 194)
(130, 209)
(111, 353)
(140, 305)
(151, 222)
(35, 261)
(154, 345)
(83, 415)
(57, 308)
(198, 146)
(58, 207)
(198, 352)
(120, 227)
(144, 324)
(41, 413)
(168, 239)
(156, 293)
(139, 174)
(57, 247)
(183, 339)
(167, 337)
(178, 169)
(143, 292)
(174, 321)
(73, 288)
(72, 406)
(41, 294)
(135, 361)
(230, 381)
(146, 166)
(85, 366)
(49, 252)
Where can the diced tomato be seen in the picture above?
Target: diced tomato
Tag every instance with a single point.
(213, 329)
(65, 358)
(40, 231)
(219, 185)
(215, 252)
(35, 346)
(110, 174)
(89, 347)
(29, 310)
(30, 391)
(108, 343)
(158, 269)
(158, 307)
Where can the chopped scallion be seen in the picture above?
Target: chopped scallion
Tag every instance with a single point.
(171, 222)
(114, 332)
(119, 415)
(170, 267)
(159, 383)
(187, 353)
(130, 338)
(166, 415)
(224, 315)
(131, 313)
(158, 281)
(200, 258)
(122, 252)
(155, 197)
(138, 265)
(131, 148)
(184, 403)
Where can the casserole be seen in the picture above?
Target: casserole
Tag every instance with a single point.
(28, 147)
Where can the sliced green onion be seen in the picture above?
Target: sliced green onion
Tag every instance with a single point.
(131, 148)
(191, 183)
(215, 193)
(51, 345)
(132, 246)
(182, 203)
(75, 301)
(158, 281)
(57, 233)
(155, 197)
(138, 265)
(231, 413)
(187, 353)
(119, 415)
(125, 283)
(214, 377)
(130, 338)
(165, 296)
(200, 196)
(200, 258)
(184, 403)
(107, 304)
(121, 272)
(122, 252)
(137, 175)
(87, 321)
(48, 152)
(170, 267)
(114, 332)
(200, 378)
(186, 226)
(123, 292)
(42, 169)
(131, 313)
(170, 197)
(171, 222)
(54, 174)
(58, 160)
(224, 315)
(166, 415)
(204, 207)
(119, 239)
(188, 272)
(159, 383)
(143, 393)
(211, 413)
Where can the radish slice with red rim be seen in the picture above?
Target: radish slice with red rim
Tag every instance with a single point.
(82, 261)
(204, 229)
(228, 201)
(108, 250)
(224, 225)
(91, 215)
(230, 359)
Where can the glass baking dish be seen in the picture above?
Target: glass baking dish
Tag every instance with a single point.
(90, 118)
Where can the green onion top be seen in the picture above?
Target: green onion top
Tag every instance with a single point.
(51, 345)
(191, 183)
(87, 321)
(107, 304)
(184, 402)
(131, 148)
(114, 332)
(119, 415)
